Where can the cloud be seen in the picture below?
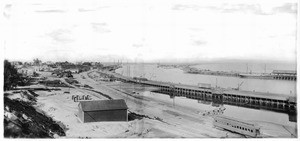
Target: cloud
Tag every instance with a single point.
(103, 7)
(85, 10)
(213, 29)
(195, 29)
(255, 8)
(259, 9)
(50, 11)
(137, 45)
(185, 7)
(36, 4)
(7, 11)
(287, 8)
(199, 42)
(224, 8)
(100, 27)
(91, 9)
(241, 8)
(60, 35)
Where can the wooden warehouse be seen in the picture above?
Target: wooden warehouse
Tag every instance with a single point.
(102, 110)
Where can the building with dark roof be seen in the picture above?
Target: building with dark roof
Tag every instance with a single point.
(102, 110)
(285, 74)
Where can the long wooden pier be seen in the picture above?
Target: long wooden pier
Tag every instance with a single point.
(257, 100)
(275, 75)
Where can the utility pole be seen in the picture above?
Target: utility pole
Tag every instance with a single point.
(173, 94)
(247, 68)
(174, 101)
(239, 85)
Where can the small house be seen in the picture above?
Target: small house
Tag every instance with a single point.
(102, 110)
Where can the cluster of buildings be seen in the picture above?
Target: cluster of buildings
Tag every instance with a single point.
(55, 67)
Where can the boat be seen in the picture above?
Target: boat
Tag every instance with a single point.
(236, 125)
(259, 76)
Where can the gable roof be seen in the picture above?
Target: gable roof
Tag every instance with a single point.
(100, 105)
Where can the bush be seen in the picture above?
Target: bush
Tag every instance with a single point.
(11, 76)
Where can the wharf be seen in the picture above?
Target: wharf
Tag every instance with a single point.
(275, 75)
(251, 99)
(257, 94)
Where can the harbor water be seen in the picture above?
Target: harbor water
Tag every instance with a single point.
(176, 75)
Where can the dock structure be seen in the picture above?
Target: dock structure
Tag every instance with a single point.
(258, 100)
(249, 99)
(290, 75)
(284, 75)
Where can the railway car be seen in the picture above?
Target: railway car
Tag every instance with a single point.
(237, 125)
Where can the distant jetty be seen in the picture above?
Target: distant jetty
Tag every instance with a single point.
(275, 75)
(210, 72)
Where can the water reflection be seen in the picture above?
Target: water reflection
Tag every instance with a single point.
(242, 112)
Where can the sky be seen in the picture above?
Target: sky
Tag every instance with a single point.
(150, 30)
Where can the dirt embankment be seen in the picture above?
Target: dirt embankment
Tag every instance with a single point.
(22, 120)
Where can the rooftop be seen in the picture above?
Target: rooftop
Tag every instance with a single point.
(100, 105)
(284, 72)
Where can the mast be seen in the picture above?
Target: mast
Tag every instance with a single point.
(265, 68)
